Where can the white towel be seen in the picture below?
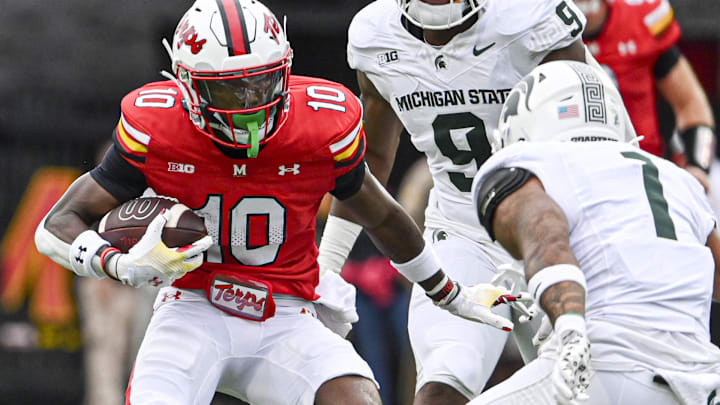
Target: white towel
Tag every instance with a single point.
(693, 387)
(336, 305)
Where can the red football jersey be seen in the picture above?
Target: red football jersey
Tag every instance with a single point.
(635, 34)
(260, 211)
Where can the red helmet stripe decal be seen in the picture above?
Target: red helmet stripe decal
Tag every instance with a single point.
(235, 27)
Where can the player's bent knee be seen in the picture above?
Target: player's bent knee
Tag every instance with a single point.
(349, 390)
(458, 366)
(437, 393)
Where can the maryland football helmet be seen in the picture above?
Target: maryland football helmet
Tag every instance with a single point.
(562, 101)
(432, 16)
(231, 60)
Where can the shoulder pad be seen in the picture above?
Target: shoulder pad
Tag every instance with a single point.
(659, 18)
(373, 31)
(363, 27)
(497, 186)
(141, 111)
(330, 106)
(515, 17)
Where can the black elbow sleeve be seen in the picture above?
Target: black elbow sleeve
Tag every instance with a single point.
(497, 186)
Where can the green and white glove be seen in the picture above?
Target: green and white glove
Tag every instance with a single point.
(571, 376)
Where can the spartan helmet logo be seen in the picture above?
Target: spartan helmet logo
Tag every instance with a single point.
(440, 63)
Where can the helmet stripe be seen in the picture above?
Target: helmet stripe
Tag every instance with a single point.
(235, 27)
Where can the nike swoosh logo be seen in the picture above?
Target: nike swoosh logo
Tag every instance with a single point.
(477, 52)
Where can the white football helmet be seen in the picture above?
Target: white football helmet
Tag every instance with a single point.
(562, 101)
(433, 15)
(232, 61)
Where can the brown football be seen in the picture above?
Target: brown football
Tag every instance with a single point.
(124, 225)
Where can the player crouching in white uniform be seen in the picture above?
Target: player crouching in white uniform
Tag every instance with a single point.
(618, 248)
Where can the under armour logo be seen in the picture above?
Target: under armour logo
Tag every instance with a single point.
(155, 281)
(626, 48)
(295, 170)
(440, 63)
(79, 257)
(167, 296)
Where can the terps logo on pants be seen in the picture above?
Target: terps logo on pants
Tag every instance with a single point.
(187, 35)
(244, 298)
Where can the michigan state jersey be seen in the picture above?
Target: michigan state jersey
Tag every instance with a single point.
(638, 228)
(449, 98)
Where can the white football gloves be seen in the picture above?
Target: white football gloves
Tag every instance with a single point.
(336, 306)
(151, 262)
(474, 303)
(571, 376)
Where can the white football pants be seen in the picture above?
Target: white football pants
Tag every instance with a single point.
(532, 384)
(447, 348)
(192, 349)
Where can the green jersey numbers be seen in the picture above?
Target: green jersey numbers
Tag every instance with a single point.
(570, 18)
(476, 137)
(664, 227)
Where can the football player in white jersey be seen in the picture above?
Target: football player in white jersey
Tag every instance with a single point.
(441, 70)
(620, 249)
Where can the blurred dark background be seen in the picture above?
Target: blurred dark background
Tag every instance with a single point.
(65, 65)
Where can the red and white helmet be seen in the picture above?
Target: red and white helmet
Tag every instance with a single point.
(439, 14)
(232, 61)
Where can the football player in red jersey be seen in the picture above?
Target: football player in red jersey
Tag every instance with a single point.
(636, 41)
(253, 150)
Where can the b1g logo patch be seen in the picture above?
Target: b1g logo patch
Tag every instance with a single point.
(387, 57)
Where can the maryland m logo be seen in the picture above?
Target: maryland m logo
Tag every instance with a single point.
(29, 279)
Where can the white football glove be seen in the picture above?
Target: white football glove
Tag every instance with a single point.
(571, 376)
(474, 303)
(512, 276)
(151, 262)
(336, 306)
(544, 332)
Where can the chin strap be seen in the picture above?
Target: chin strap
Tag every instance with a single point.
(252, 128)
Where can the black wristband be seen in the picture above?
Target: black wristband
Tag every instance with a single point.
(447, 287)
(699, 146)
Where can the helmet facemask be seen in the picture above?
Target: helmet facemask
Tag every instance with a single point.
(241, 108)
(440, 16)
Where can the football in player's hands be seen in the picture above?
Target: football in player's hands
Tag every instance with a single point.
(124, 225)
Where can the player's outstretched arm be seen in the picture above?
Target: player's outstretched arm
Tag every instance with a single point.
(537, 233)
(382, 133)
(532, 227)
(693, 116)
(397, 236)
